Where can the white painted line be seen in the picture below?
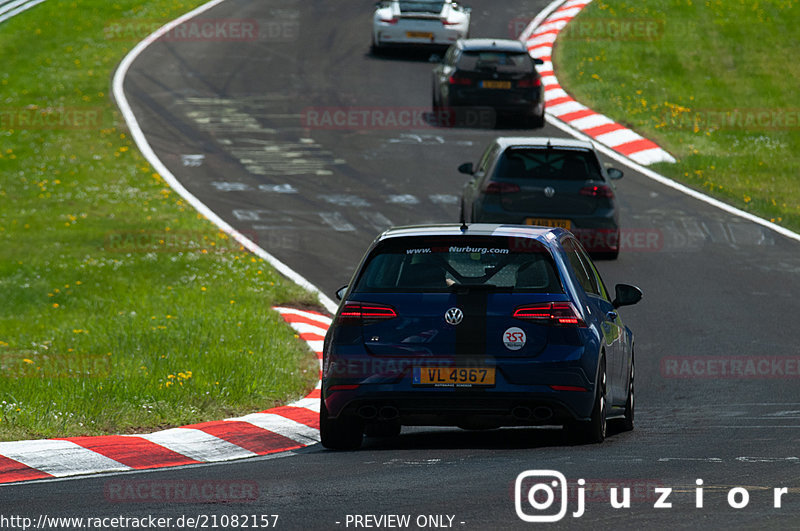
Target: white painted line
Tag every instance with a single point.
(593, 120)
(566, 108)
(647, 172)
(618, 137)
(315, 345)
(197, 445)
(644, 156)
(651, 156)
(306, 328)
(59, 458)
(308, 315)
(8, 11)
(337, 222)
(555, 93)
(538, 19)
(282, 426)
(307, 403)
(169, 178)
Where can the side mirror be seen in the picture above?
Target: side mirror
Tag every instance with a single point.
(537, 61)
(626, 295)
(466, 168)
(614, 173)
(340, 293)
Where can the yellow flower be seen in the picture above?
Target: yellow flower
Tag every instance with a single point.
(55, 305)
(29, 362)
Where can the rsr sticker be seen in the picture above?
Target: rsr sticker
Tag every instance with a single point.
(514, 338)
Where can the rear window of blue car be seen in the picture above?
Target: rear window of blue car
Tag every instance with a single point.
(435, 264)
(548, 164)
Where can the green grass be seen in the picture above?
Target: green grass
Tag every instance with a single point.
(98, 334)
(707, 60)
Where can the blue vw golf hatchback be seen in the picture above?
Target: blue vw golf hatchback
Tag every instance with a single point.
(477, 326)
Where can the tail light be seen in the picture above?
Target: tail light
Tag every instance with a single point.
(454, 80)
(550, 313)
(494, 187)
(598, 191)
(392, 20)
(529, 82)
(359, 313)
(446, 22)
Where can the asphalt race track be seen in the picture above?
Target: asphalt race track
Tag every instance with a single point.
(231, 121)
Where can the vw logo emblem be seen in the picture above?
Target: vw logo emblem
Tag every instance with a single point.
(453, 316)
(549, 191)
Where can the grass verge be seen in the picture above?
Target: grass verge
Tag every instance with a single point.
(711, 82)
(122, 309)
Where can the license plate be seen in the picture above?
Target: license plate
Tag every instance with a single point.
(496, 84)
(419, 35)
(547, 222)
(454, 376)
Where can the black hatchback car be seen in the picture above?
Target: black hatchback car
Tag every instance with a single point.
(490, 73)
(551, 182)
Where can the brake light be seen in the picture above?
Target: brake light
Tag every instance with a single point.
(568, 388)
(494, 187)
(346, 387)
(392, 20)
(453, 80)
(550, 313)
(598, 191)
(446, 22)
(530, 82)
(357, 313)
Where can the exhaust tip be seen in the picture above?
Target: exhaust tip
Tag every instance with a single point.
(542, 413)
(367, 412)
(521, 413)
(389, 413)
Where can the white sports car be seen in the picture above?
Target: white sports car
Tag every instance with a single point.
(418, 23)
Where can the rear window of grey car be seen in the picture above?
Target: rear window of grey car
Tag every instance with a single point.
(547, 164)
(435, 264)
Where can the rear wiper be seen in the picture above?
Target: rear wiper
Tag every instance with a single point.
(467, 288)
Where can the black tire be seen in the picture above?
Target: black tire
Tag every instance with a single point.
(536, 121)
(374, 49)
(339, 434)
(383, 429)
(595, 429)
(626, 423)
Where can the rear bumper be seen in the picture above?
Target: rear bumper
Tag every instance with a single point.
(528, 105)
(389, 36)
(597, 233)
(522, 394)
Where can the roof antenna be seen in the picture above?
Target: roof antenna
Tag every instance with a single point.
(464, 226)
(549, 145)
